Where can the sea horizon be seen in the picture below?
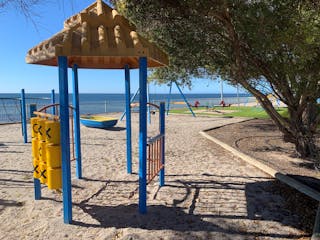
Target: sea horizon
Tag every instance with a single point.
(96, 103)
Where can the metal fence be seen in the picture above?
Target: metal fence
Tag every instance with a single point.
(10, 108)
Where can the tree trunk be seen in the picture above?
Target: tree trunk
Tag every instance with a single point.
(300, 129)
(306, 147)
(304, 127)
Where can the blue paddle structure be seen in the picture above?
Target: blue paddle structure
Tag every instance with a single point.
(100, 38)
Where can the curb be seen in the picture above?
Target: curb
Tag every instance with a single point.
(270, 171)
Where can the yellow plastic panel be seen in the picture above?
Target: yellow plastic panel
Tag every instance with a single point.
(35, 148)
(41, 129)
(54, 178)
(42, 151)
(34, 127)
(43, 172)
(36, 168)
(52, 132)
(53, 156)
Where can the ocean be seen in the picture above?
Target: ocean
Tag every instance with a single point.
(10, 110)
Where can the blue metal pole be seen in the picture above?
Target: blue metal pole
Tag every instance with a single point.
(148, 106)
(37, 189)
(162, 131)
(65, 138)
(132, 99)
(24, 116)
(76, 121)
(128, 119)
(53, 101)
(36, 181)
(143, 135)
(185, 100)
(168, 101)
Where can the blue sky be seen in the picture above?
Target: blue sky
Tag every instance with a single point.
(18, 35)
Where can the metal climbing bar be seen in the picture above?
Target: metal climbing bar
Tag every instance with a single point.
(154, 156)
(185, 99)
(24, 116)
(131, 101)
(45, 112)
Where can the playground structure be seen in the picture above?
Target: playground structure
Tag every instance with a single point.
(100, 38)
(136, 104)
(46, 148)
(155, 149)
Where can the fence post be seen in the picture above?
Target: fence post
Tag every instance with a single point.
(162, 131)
(24, 116)
(32, 108)
(53, 101)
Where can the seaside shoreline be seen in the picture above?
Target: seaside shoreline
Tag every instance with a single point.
(10, 106)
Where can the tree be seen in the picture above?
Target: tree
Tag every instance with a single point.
(23, 6)
(267, 46)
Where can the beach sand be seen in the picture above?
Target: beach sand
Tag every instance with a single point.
(209, 193)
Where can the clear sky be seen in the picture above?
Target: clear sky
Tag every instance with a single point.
(19, 34)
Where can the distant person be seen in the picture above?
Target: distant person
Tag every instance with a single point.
(223, 104)
(196, 104)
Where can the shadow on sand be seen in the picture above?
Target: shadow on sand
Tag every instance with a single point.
(184, 220)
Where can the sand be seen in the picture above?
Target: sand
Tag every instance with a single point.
(209, 193)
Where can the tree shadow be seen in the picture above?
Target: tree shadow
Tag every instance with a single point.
(308, 164)
(261, 125)
(262, 206)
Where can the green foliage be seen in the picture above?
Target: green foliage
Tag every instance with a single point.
(278, 41)
(267, 46)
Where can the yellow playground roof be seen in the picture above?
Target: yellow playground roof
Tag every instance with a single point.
(99, 38)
